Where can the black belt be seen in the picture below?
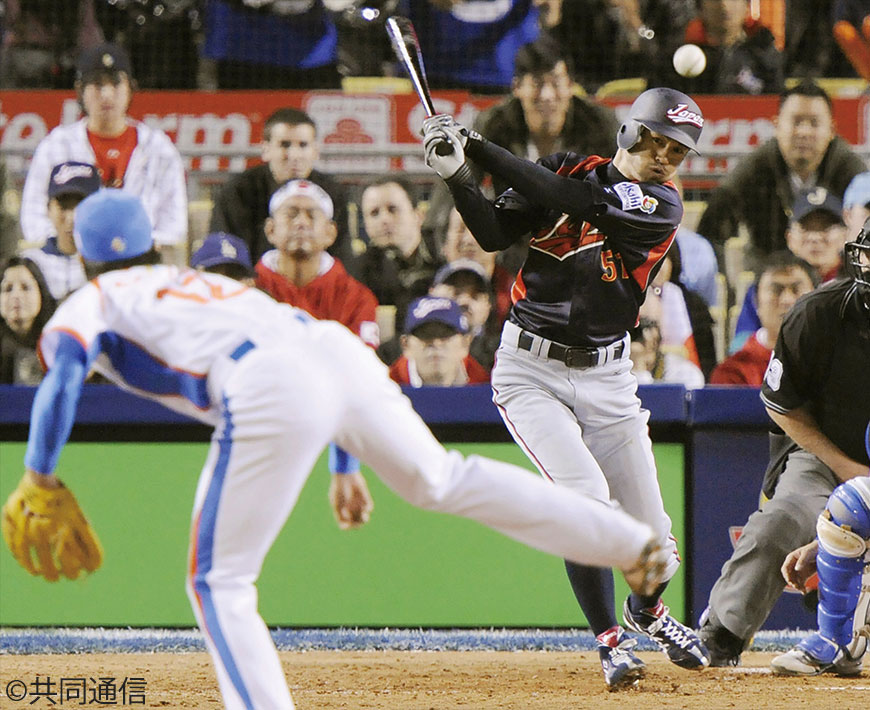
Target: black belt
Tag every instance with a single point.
(572, 356)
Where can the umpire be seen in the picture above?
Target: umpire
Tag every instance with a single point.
(816, 391)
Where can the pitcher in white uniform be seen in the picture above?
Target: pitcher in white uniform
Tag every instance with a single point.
(277, 386)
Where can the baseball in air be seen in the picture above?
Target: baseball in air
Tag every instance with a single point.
(689, 60)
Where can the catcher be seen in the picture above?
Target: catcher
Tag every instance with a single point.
(841, 555)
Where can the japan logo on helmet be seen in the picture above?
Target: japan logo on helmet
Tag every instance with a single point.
(665, 111)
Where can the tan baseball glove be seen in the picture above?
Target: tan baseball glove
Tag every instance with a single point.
(49, 523)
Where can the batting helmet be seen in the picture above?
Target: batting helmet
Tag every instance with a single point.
(667, 111)
(857, 259)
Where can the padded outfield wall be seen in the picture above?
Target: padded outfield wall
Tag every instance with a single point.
(134, 466)
(407, 567)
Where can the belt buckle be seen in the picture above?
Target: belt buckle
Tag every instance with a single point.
(580, 357)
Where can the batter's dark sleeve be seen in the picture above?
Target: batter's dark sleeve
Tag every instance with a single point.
(536, 181)
(484, 221)
(536, 189)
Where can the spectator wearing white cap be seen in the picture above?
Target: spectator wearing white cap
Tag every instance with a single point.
(435, 347)
(299, 271)
(58, 259)
(856, 204)
(128, 154)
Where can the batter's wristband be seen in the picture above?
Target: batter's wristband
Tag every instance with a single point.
(463, 176)
(474, 144)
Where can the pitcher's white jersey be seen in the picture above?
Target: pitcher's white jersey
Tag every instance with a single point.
(146, 329)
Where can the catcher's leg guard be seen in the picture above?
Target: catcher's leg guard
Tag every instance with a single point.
(843, 531)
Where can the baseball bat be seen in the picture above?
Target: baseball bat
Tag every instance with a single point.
(406, 47)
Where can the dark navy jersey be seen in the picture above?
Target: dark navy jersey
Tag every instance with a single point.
(822, 362)
(595, 240)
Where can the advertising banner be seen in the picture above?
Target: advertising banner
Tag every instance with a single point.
(367, 133)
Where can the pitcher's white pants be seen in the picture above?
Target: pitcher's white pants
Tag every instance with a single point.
(281, 408)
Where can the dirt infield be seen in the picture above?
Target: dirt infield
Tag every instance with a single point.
(420, 680)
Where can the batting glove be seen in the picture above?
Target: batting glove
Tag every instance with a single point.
(447, 122)
(443, 121)
(434, 140)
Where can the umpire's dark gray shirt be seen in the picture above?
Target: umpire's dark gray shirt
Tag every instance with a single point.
(822, 360)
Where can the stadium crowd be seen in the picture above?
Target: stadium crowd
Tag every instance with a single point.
(801, 193)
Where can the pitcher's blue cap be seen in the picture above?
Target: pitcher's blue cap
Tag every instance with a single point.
(111, 225)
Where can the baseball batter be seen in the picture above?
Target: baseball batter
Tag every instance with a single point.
(598, 230)
(277, 386)
(815, 390)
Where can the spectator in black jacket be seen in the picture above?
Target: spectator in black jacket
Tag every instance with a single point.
(614, 39)
(804, 153)
(741, 55)
(289, 151)
(399, 263)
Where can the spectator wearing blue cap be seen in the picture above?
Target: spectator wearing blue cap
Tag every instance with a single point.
(435, 347)
(225, 254)
(856, 204)
(466, 282)
(69, 183)
(816, 234)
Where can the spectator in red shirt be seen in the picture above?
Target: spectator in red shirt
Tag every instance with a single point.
(435, 347)
(784, 278)
(299, 271)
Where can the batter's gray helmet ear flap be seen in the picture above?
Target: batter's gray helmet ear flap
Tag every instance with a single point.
(629, 134)
(666, 111)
